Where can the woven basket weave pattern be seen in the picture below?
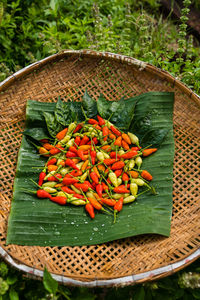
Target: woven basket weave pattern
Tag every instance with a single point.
(69, 77)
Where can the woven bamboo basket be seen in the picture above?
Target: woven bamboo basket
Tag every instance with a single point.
(126, 261)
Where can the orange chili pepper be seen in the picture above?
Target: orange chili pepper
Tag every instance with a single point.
(60, 135)
(146, 175)
(147, 152)
(85, 164)
(52, 168)
(134, 174)
(96, 171)
(84, 147)
(47, 146)
(125, 145)
(118, 141)
(126, 138)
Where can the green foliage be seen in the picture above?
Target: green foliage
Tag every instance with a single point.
(31, 30)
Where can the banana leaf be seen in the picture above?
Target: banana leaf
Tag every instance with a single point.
(33, 221)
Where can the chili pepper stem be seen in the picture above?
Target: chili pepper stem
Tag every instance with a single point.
(35, 183)
(29, 191)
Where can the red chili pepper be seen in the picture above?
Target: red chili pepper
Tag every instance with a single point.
(95, 203)
(146, 175)
(76, 173)
(105, 187)
(118, 141)
(44, 141)
(125, 145)
(99, 189)
(52, 161)
(69, 181)
(79, 196)
(125, 177)
(105, 132)
(96, 126)
(119, 204)
(84, 140)
(80, 153)
(114, 154)
(135, 148)
(109, 202)
(118, 165)
(118, 172)
(115, 130)
(48, 146)
(81, 186)
(43, 194)
(120, 190)
(71, 164)
(88, 183)
(70, 154)
(129, 154)
(59, 199)
(55, 150)
(90, 209)
(73, 149)
(101, 120)
(94, 177)
(147, 152)
(55, 177)
(67, 190)
(109, 161)
(93, 155)
(92, 121)
(78, 127)
(109, 181)
(95, 141)
(77, 140)
(41, 178)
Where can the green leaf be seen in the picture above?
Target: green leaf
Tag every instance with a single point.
(13, 294)
(62, 114)
(37, 133)
(152, 214)
(50, 284)
(11, 279)
(119, 112)
(89, 105)
(139, 293)
(52, 125)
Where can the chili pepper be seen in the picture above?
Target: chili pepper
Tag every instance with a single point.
(50, 184)
(105, 187)
(84, 140)
(109, 161)
(109, 202)
(90, 195)
(73, 149)
(44, 141)
(147, 152)
(129, 199)
(138, 161)
(134, 174)
(118, 207)
(96, 171)
(118, 141)
(105, 132)
(59, 185)
(76, 191)
(76, 161)
(96, 126)
(101, 120)
(80, 153)
(78, 196)
(101, 167)
(41, 177)
(106, 148)
(93, 155)
(67, 190)
(78, 127)
(126, 138)
(76, 173)
(49, 190)
(84, 147)
(125, 177)
(60, 135)
(131, 164)
(84, 165)
(99, 189)
(52, 168)
(92, 121)
(112, 136)
(133, 188)
(47, 146)
(100, 156)
(55, 150)
(66, 139)
(71, 164)
(119, 180)
(69, 181)
(59, 199)
(118, 172)
(95, 203)
(77, 140)
(118, 196)
(61, 162)
(81, 186)
(118, 165)
(52, 161)
(95, 141)
(43, 194)
(146, 175)
(71, 127)
(88, 183)
(90, 209)
(115, 130)
(43, 151)
(94, 177)
(77, 202)
(138, 181)
(129, 154)
(125, 145)
(134, 139)
(135, 148)
(121, 189)
(108, 181)
(113, 178)
(70, 154)
(56, 177)
(114, 154)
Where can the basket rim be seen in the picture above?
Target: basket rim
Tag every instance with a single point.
(125, 280)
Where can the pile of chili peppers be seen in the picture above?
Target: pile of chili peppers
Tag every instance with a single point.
(93, 164)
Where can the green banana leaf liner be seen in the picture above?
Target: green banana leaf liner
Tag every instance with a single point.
(33, 221)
